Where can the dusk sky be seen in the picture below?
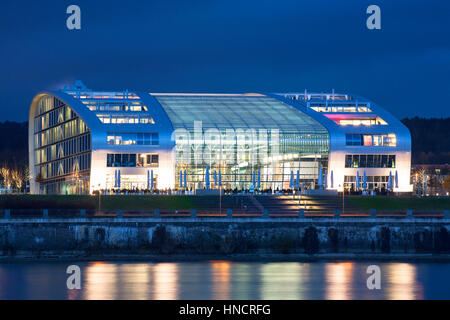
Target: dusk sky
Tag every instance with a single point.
(230, 46)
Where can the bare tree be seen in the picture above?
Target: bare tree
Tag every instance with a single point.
(421, 175)
(19, 177)
(16, 178)
(6, 175)
(26, 176)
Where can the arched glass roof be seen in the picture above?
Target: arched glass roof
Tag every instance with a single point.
(236, 112)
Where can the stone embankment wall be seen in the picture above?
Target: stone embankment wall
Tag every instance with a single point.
(222, 236)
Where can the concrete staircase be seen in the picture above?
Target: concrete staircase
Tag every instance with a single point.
(320, 205)
(283, 205)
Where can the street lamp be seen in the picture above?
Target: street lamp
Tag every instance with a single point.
(99, 198)
(416, 176)
(343, 194)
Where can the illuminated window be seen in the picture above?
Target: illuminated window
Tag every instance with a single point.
(344, 121)
(353, 139)
(369, 161)
(125, 119)
(127, 138)
(367, 140)
(344, 108)
(373, 182)
(121, 160)
(152, 159)
(301, 141)
(62, 148)
(376, 140)
(127, 160)
(390, 140)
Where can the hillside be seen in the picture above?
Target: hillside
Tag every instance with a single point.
(430, 140)
(14, 144)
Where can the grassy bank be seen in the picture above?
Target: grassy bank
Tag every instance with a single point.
(149, 202)
(129, 202)
(390, 203)
(47, 202)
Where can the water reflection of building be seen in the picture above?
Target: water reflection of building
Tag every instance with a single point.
(401, 281)
(165, 281)
(280, 281)
(221, 280)
(100, 281)
(339, 279)
(245, 281)
(134, 281)
(110, 281)
(266, 281)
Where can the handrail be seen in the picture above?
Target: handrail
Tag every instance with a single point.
(230, 212)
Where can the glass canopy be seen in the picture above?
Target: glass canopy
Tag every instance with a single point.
(240, 111)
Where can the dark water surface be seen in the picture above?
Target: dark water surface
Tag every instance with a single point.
(225, 280)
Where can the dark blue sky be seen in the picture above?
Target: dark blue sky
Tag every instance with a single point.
(230, 46)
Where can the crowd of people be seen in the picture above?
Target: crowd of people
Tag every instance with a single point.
(185, 191)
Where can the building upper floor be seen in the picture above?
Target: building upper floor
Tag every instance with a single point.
(127, 118)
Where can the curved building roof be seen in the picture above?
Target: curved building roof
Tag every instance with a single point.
(253, 111)
(172, 111)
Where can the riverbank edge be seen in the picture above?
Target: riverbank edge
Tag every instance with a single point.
(394, 257)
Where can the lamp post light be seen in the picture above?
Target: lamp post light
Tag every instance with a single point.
(220, 199)
(220, 188)
(99, 198)
(417, 184)
(77, 182)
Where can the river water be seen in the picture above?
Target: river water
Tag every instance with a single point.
(225, 280)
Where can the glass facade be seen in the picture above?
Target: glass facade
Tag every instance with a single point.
(376, 140)
(359, 122)
(62, 149)
(369, 161)
(132, 160)
(115, 107)
(124, 119)
(373, 182)
(244, 137)
(129, 138)
(342, 108)
(131, 181)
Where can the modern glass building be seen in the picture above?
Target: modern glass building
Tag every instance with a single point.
(82, 140)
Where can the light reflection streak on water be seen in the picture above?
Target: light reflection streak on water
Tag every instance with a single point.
(225, 280)
(100, 281)
(165, 277)
(221, 280)
(401, 281)
(339, 280)
(107, 281)
(245, 281)
(281, 281)
(134, 281)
